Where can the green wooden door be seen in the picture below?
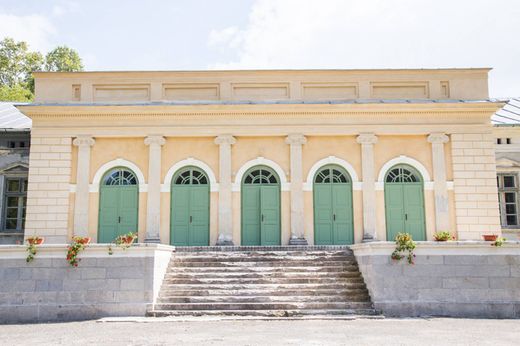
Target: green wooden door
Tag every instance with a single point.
(260, 207)
(404, 203)
(333, 216)
(118, 205)
(189, 224)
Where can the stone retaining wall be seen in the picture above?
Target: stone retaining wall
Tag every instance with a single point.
(48, 289)
(458, 279)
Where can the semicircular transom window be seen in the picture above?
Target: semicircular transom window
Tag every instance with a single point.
(260, 176)
(191, 176)
(120, 176)
(402, 174)
(328, 175)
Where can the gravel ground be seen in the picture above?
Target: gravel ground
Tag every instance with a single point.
(438, 331)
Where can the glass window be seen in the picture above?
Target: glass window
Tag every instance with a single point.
(14, 204)
(508, 199)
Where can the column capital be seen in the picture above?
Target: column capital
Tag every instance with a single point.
(295, 139)
(154, 139)
(83, 141)
(438, 137)
(366, 138)
(225, 139)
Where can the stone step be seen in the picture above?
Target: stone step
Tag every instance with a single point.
(313, 292)
(260, 264)
(314, 259)
(264, 306)
(263, 253)
(265, 313)
(255, 248)
(263, 280)
(352, 283)
(263, 299)
(260, 269)
(261, 275)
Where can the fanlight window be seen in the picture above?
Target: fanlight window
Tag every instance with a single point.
(402, 175)
(120, 176)
(260, 176)
(191, 176)
(329, 175)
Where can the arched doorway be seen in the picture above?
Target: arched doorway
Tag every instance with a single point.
(260, 207)
(404, 202)
(118, 204)
(189, 225)
(333, 216)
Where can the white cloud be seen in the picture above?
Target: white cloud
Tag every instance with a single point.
(379, 34)
(65, 7)
(34, 29)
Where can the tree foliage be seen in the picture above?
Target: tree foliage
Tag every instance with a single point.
(17, 63)
(63, 59)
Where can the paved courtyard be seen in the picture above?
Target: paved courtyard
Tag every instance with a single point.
(268, 332)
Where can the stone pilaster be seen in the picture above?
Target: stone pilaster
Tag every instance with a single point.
(440, 187)
(367, 141)
(296, 141)
(153, 205)
(225, 221)
(81, 201)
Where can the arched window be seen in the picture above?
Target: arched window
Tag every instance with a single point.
(331, 174)
(120, 176)
(403, 174)
(261, 176)
(190, 176)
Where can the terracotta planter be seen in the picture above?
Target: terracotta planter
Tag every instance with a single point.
(490, 237)
(37, 241)
(85, 241)
(441, 239)
(128, 240)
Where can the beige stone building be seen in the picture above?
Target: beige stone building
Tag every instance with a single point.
(262, 157)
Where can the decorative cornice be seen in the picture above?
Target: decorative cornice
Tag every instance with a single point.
(367, 138)
(154, 140)
(83, 141)
(438, 138)
(296, 139)
(225, 139)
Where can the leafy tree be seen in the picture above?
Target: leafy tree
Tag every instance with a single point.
(17, 63)
(63, 59)
(16, 93)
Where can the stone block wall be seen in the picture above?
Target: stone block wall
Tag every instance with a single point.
(453, 279)
(475, 185)
(48, 289)
(49, 184)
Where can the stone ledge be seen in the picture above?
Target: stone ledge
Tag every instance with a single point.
(429, 248)
(92, 250)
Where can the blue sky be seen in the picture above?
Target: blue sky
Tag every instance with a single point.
(241, 34)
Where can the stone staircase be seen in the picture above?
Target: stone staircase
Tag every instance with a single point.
(263, 281)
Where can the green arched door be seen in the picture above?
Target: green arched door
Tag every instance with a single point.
(333, 220)
(260, 207)
(118, 204)
(404, 203)
(189, 224)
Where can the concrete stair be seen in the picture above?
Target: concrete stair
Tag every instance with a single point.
(263, 281)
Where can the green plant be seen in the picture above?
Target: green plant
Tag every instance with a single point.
(32, 243)
(404, 243)
(77, 245)
(123, 241)
(499, 242)
(443, 236)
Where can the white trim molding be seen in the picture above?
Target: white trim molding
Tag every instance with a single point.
(190, 161)
(261, 161)
(356, 184)
(94, 187)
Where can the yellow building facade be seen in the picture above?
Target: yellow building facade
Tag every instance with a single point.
(262, 157)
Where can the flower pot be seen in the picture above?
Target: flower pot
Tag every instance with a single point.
(84, 241)
(128, 240)
(490, 237)
(35, 241)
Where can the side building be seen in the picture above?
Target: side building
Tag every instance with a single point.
(14, 168)
(262, 157)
